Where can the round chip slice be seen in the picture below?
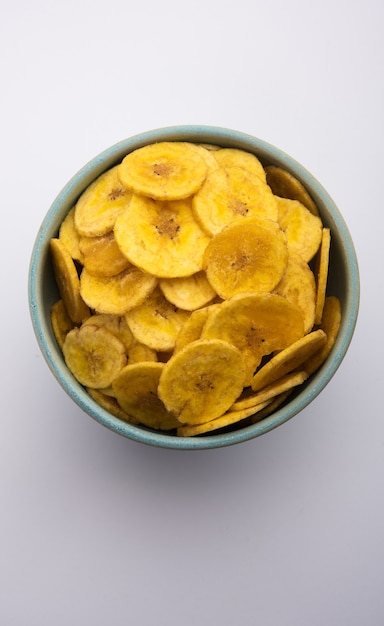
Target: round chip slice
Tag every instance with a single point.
(102, 256)
(298, 285)
(202, 381)
(136, 392)
(188, 292)
(165, 171)
(257, 324)
(94, 355)
(330, 324)
(161, 238)
(115, 295)
(70, 237)
(289, 359)
(228, 157)
(67, 281)
(247, 255)
(302, 229)
(156, 322)
(98, 206)
(229, 193)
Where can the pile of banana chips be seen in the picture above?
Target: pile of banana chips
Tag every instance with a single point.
(193, 288)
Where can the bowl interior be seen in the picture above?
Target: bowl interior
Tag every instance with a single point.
(343, 282)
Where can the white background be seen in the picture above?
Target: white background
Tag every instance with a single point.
(284, 530)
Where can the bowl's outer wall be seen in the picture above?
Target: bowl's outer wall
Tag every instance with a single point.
(343, 281)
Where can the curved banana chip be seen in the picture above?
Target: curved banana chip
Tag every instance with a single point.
(99, 205)
(230, 193)
(202, 381)
(61, 322)
(136, 392)
(68, 282)
(302, 229)
(102, 256)
(188, 292)
(70, 236)
(164, 171)
(228, 157)
(247, 255)
(285, 185)
(94, 355)
(298, 285)
(321, 273)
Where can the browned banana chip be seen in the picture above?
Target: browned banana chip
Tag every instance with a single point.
(136, 392)
(156, 322)
(246, 256)
(115, 295)
(321, 273)
(298, 285)
(164, 171)
(68, 282)
(94, 355)
(330, 324)
(285, 185)
(202, 381)
(229, 193)
(302, 229)
(102, 256)
(271, 407)
(289, 359)
(161, 238)
(99, 205)
(61, 322)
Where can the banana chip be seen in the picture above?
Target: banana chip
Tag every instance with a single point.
(298, 285)
(61, 322)
(202, 381)
(161, 238)
(285, 185)
(330, 324)
(322, 267)
(164, 171)
(99, 205)
(70, 236)
(246, 256)
(111, 405)
(228, 419)
(289, 359)
(156, 322)
(102, 256)
(189, 292)
(271, 391)
(192, 328)
(230, 193)
(94, 355)
(256, 324)
(115, 295)
(68, 282)
(229, 157)
(136, 392)
(303, 230)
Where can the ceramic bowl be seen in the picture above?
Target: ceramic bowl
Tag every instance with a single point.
(343, 282)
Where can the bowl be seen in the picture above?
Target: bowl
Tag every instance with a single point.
(343, 282)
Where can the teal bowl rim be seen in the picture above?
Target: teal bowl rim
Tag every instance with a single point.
(204, 134)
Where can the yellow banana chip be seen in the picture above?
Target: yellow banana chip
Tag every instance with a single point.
(161, 238)
(230, 193)
(99, 205)
(94, 355)
(188, 292)
(285, 185)
(136, 392)
(115, 295)
(322, 267)
(330, 324)
(257, 324)
(164, 171)
(70, 237)
(156, 322)
(192, 327)
(229, 157)
(302, 229)
(68, 281)
(271, 391)
(246, 256)
(202, 381)
(298, 285)
(289, 359)
(102, 256)
(61, 322)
